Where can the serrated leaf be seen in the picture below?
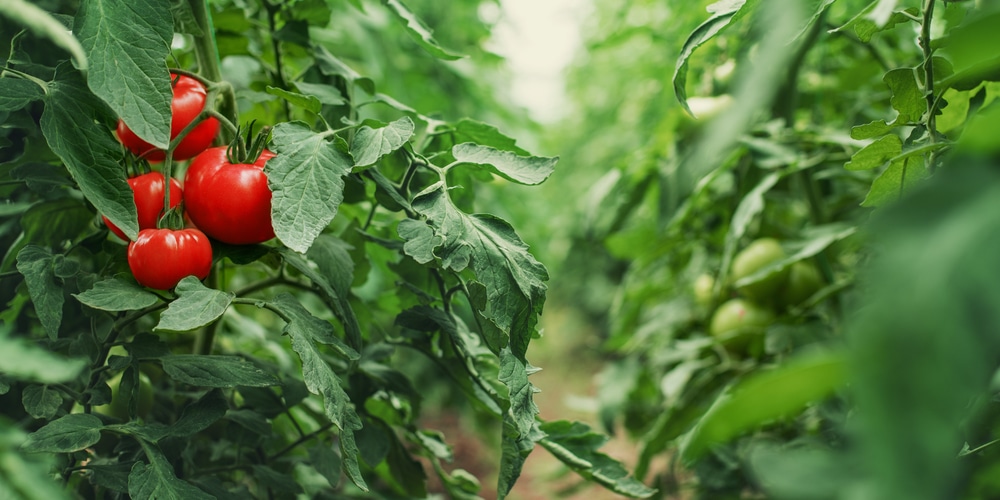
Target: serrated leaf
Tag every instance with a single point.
(89, 152)
(306, 181)
(420, 240)
(513, 279)
(370, 144)
(330, 65)
(576, 445)
(764, 397)
(514, 374)
(724, 15)
(306, 102)
(127, 43)
(115, 294)
(528, 170)
(68, 433)
(216, 371)
(196, 306)
(23, 360)
(326, 94)
(419, 31)
(16, 94)
(158, 481)
(468, 130)
(907, 97)
(876, 154)
(876, 128)
(305, 333)
(514, 450)
(35, 263)
(894, 181)
(40, 401)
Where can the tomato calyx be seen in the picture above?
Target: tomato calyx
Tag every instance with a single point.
(248, 150)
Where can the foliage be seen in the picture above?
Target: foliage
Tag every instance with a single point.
(308, 348)
(801, 122)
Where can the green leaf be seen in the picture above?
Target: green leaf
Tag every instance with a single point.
(528, 170)
(16, 94)
(40, 401)
(306, 102)
(907, 97)
(306, 332)
(331, 65)
(514, 280)
(876, 154)
(320, 330)
(724, 14)
(326, 462)
(216, 371)
(127, 43)
(420, 240)
(196, 306)
(468, 130)
(419, 31)
(273, 480)
(894, 181)
(876, 128)
(514, 374)
(200, 415)
(867, 23)
(332, 258)
(764, 397)
(370, 144)
(24, 360)
(50, 223)
(576, 445)
(36, 264)
(514, 450)
(306, 181)
(115, 294)
(326, 94)
(818, 238)
(65, 434)
(158, 481)
(89, 152)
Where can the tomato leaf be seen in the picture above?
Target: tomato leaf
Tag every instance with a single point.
(216, 371)
(576, 445)
(330, 65)
(764, 397)
(115, 294)
(867, 23)
(326, 462)
(907, 97)
(326, 94)
(40, 401)
(89, 152)
(157, 479)
(529, 170)
(306, 332)
(24, 360)
(36, 264)
(514, 280)
(514, 448)
(127, 63)
(65, 434)
(468, 130)
(875, 154)
(306, 102)
(419, 31)
(16, 94)
(196, 306)
(372, 143)
(895, 180)
(307, 183)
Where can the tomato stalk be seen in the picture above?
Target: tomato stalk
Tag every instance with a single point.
(207, 54)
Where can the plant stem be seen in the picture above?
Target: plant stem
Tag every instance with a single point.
(207, 55)
(925, 45)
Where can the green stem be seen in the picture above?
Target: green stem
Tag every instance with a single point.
(207, 55)
(925, 45)
(44, 25)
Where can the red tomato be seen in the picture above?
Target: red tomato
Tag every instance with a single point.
(229, 202)
(147, 189)
(188, 102)
(159, 258)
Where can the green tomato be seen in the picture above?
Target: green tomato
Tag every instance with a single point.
(738, 315)
(803, 281)
(756, 256)
(118, 408)
(702, 289)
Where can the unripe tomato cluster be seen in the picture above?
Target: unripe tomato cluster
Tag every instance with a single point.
(226, 200)
(753, 307)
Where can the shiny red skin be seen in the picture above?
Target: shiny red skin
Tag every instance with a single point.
(159, 258)
(147, 190)
(188, 102)
(229, 202)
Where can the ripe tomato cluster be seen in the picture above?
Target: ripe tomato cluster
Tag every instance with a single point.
(225, 195)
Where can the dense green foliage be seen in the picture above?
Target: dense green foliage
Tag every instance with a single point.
(812, 120)
(301, 365)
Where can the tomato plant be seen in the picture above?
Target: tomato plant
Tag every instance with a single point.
(149, 194)
(229, 201)
(160, 258)
(189, 98)
(758, 255)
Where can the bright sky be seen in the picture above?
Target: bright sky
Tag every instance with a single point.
(539, 39)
